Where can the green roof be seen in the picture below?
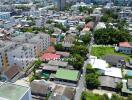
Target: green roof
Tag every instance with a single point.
(67, 74)
(12, 91)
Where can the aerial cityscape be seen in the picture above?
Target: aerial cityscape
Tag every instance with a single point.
(65, 49)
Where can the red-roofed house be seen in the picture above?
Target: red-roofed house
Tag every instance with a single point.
(125, 47)
(49, 56)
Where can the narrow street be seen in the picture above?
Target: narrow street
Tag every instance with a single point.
(81, 84)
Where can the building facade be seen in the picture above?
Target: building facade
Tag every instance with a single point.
(21, 56)
(59, 4)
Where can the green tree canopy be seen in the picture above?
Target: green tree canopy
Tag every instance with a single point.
(59, 47)
(116, 97)
(129, 97)
(111, 36)
(86, 38)
(62, 27)
(77, 61)
(79, 49)
(88, 19)
(92, 81)
(89, 69)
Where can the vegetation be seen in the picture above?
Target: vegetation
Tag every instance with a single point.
(36, 66)
(62, 27)
(85, 9)
(86, 38)
(77, 61)
(109, 16)
(89, 69)
(111, 36)
(129, 97)
(92, 81)
(90, 96)
(116, 97)
(49, 21)
(91, 77)
(33, 29)
(119, 87)
(79, 28)
(88, 19)
(59, 47)
(33, 77)
(79, 49)
(102, 51)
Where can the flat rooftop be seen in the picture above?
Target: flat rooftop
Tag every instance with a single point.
(65, 74)
(11, 91)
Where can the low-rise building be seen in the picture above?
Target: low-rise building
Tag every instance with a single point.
(67, 77)
(5, 15)
(40, 88)
(109, 83)
(58, 63)
(114, 60)
(125, 47)
(11, 74)
(65, 93)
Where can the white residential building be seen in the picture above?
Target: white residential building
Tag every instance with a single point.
(21, 56)
(41, 42)
(9, 91)
(22, 38)
(5, 46)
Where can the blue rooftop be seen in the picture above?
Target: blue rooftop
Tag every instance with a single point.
(129, 73)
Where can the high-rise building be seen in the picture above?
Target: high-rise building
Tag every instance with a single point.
(60, 4)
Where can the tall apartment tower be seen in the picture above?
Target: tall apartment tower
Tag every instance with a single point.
(60, 4)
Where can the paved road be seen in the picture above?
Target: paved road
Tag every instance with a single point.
(81, 84)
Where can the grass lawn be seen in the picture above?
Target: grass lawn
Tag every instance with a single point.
(90, 96)
(102, 51)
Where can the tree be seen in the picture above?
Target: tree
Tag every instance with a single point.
(86, 38)
(37, 63)
(49, 21)
(77, 61)
(79, 28)
(50, 31)
(91, 96)
(116, 97)
(59, 47)
(92, 81)
(79, 49)
(89, 69)
(119, 87)
(62, 27)
(129, 97)
(88, 19)
(103, 97)
(104, 18)
(111, 36)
